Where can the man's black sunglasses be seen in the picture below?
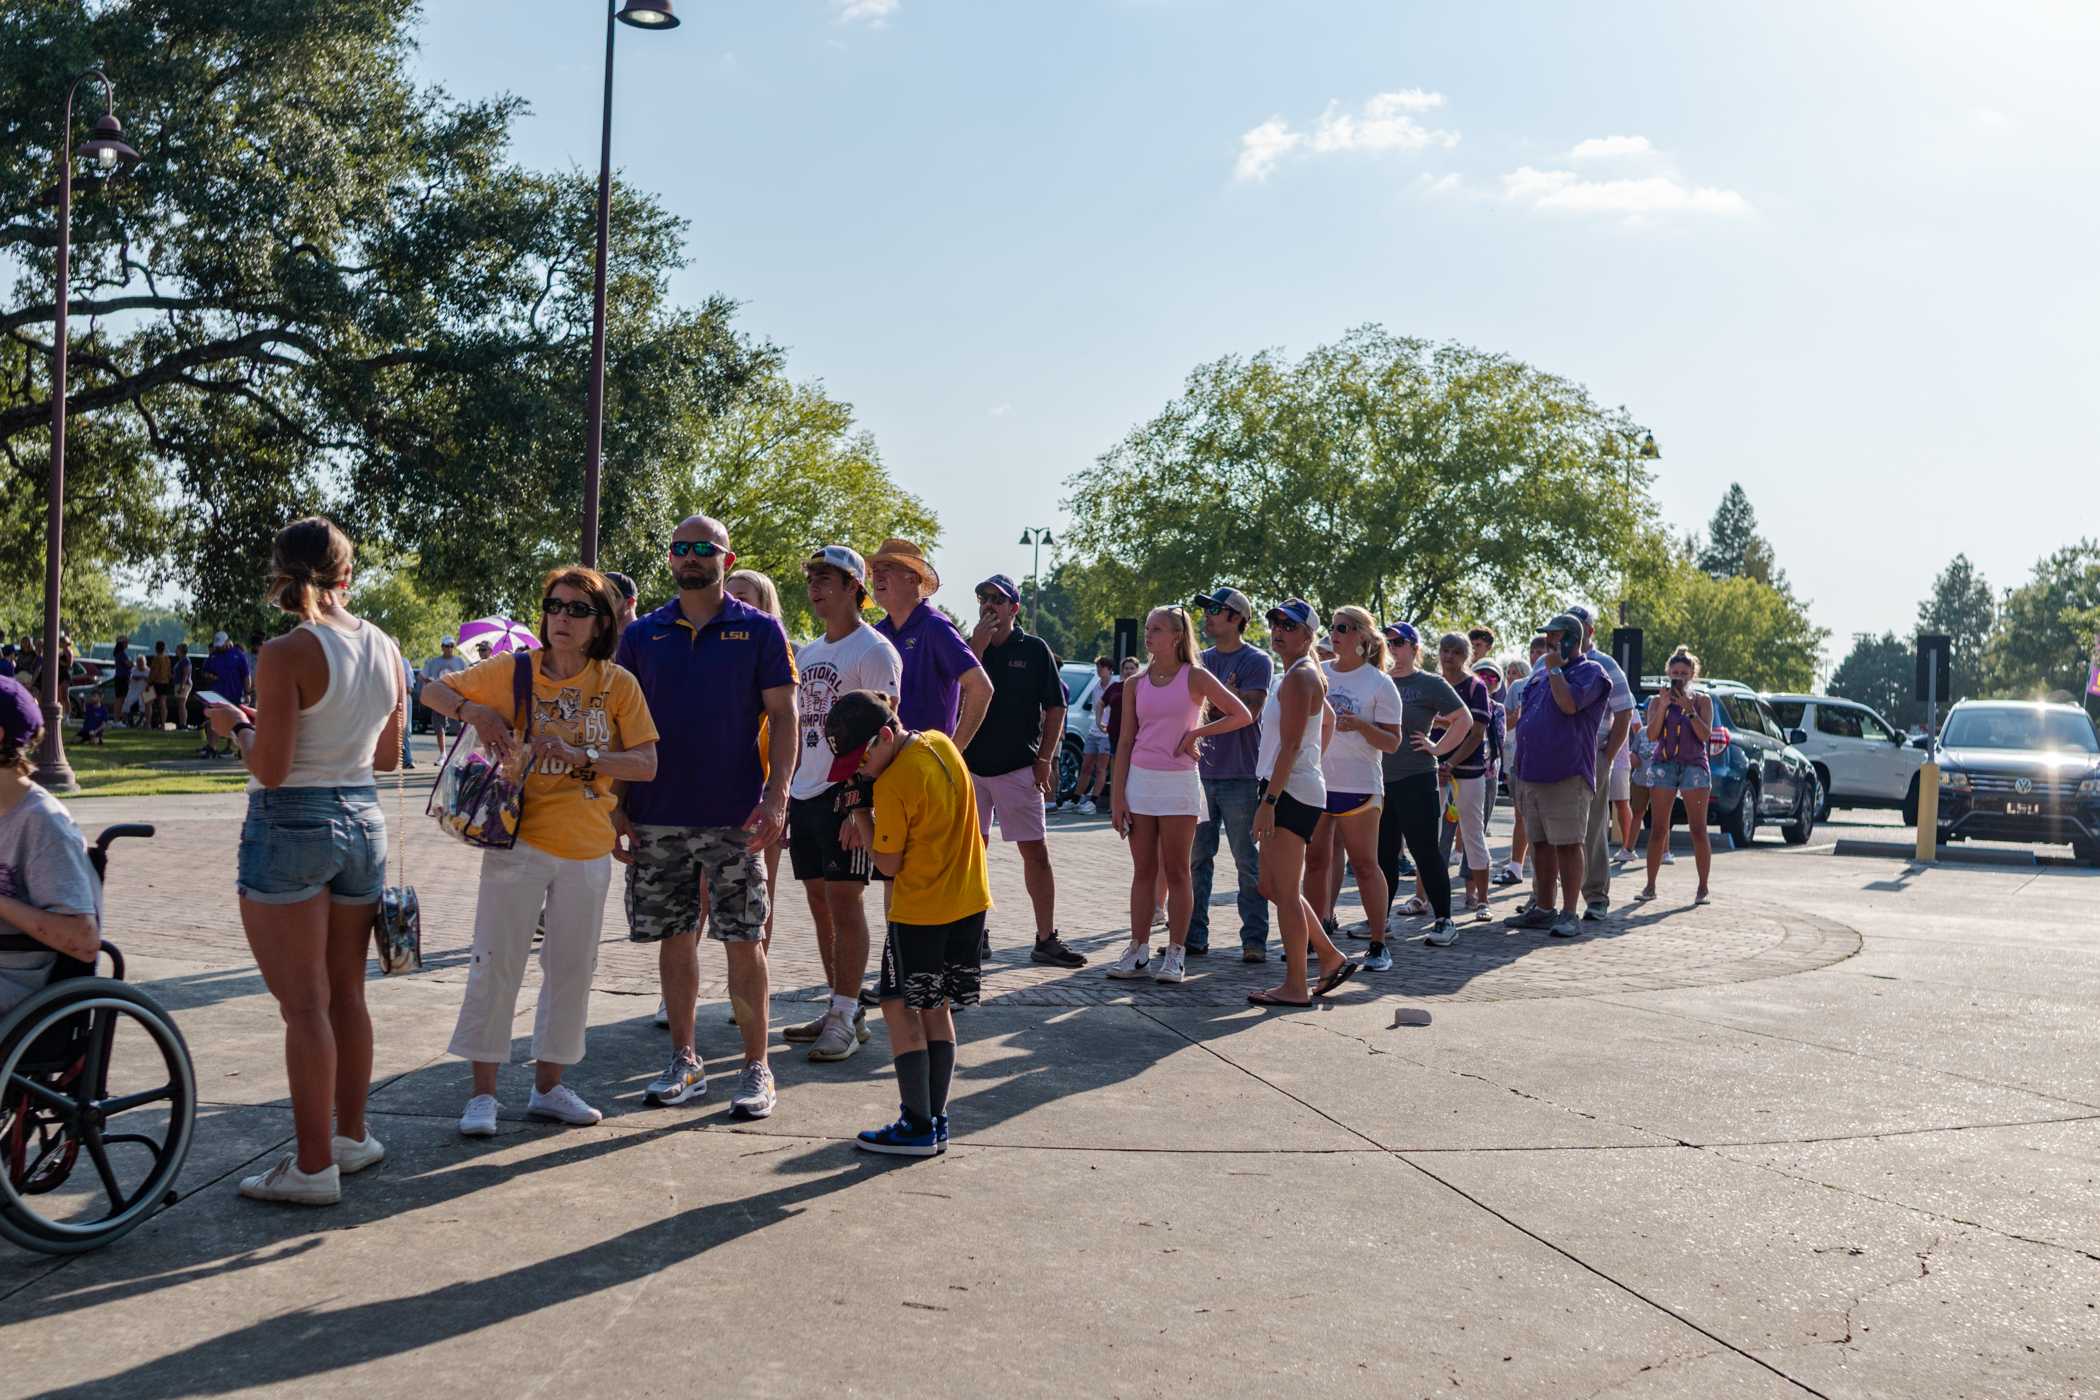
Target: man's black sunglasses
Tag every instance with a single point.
(703, 549)
(555, 605)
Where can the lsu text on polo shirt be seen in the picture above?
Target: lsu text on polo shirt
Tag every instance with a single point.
(706, 691)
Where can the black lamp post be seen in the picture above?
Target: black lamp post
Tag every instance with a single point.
(107, 148)
(1646, 452)
(1037, 535)
(642, 14)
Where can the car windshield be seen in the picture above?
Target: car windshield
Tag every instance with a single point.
(2020, 729)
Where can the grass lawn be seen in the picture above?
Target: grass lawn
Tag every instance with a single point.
(142, 763)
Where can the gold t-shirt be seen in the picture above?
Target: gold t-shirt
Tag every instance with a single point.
(926, 808)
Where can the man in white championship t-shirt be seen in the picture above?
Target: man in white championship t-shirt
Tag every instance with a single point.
(850, 656)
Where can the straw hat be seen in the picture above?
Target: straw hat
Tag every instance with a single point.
(902, 551)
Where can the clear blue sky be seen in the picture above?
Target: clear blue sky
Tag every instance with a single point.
(1840, 252)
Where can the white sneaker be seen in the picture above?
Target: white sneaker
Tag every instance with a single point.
(1669, 857)
(352, 1157)
(563, 1105)
(754, 1096)
(1087, 808)
(286, 1183)
(835, 1041)
(683, 1079)
(1173, 967)
(479, 1120)
(1131, 966)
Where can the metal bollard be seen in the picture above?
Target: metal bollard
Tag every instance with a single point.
(1929, 811)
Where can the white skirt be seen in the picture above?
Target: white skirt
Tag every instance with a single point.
(1172, 792)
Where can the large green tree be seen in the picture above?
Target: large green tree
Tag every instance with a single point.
(1418, 479)
(1961, 607)
(2044, 637)
(1881, 673)
(1733, 548)
(1740, 628)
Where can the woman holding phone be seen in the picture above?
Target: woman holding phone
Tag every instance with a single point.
(328, 713)
(1680, 721)
(1296, 725)
(1158, 798)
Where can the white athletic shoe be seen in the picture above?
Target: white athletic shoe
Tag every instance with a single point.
(479, 1120)
(1173, 967)
(353, 1157)
(563, 1105)
(1087, 808)
(286, 1183)
(1132, 966)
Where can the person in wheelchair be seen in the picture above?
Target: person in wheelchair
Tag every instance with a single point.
(47, 888)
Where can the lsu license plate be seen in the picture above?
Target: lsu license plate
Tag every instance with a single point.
(2014, 808)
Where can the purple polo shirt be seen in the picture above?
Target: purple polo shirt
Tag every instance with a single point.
(936, 658)
(706, 692)
(1552, 745)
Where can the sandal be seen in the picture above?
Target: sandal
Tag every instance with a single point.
(1644, 896)
(1271, 999)
(1415, 908)
(1335, 979)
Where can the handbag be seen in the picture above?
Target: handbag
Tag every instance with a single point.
(475, 799)
(398, 930)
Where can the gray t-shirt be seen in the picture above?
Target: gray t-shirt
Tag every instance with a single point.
(1619, 700)
(1423, 696)
(1233, 755)
(44, 863)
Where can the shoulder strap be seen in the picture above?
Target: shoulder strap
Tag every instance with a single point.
(521, 692)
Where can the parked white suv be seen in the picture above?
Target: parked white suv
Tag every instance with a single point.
(1863, 760)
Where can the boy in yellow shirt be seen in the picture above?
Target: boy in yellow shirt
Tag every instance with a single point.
(922, 836)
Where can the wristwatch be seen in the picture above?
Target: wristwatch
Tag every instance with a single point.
(590, 755)
(1269, 799)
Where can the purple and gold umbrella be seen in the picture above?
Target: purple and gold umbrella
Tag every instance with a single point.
(499, 633)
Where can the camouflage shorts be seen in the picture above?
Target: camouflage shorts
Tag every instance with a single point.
(664, 884)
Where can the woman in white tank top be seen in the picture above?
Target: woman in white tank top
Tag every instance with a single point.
(1295, 726)
(328, 712)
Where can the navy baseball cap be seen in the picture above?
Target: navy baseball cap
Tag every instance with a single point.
(1581, 613)
(1296, 611)
(1003, 586)
(20, 715)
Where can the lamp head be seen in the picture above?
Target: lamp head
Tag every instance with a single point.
(106, 145)
(648, 14)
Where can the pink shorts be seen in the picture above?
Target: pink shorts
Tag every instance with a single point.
(1017, 802)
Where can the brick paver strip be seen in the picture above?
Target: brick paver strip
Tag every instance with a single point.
(172, 897)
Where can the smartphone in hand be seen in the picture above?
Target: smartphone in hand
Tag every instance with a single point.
(212, 697)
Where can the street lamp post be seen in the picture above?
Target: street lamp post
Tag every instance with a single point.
(1037, 535)
(107, 148)
(1647, 452)
(642, 14)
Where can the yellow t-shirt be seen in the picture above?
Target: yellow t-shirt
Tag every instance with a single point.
(600, 705)
(926, 808)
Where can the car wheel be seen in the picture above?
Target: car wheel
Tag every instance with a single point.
(1741, 824)
(2089, 852)
(1803, 825)
(1069, 757)
(1910, 802)
(1823, 794)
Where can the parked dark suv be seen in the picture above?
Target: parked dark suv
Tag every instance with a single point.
(2018, 770)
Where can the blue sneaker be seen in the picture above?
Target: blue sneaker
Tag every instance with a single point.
(940, 1132)
(900, 1139)
(1376, 959)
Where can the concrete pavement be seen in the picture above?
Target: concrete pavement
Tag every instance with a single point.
(1837, 1133)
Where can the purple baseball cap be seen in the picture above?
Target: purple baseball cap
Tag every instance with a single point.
(1003, 586)
(20, 715)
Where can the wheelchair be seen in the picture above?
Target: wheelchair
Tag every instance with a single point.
(89, 1067)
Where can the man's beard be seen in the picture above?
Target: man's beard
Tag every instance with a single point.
(698, 577)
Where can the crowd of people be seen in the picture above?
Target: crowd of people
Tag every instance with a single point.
(685, 747)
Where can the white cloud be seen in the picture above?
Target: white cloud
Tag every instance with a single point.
(1566, 191)
(874, 13)
(1990, 118)
(1611, 147)
(1430, 186)
(1384, 123)
(1000, 410)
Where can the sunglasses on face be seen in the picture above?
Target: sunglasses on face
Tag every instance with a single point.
(579, 610)
(1341, 626)
(699, 549)
(1284, 624)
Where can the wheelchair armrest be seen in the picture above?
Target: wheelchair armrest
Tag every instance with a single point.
(121, 830)
(116, 959)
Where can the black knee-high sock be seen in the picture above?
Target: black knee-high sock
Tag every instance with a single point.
(940, 1072)
(912, 1085)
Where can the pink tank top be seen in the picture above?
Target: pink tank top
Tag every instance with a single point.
(1164, 714)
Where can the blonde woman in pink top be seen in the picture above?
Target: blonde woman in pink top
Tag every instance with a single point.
(1158, 794)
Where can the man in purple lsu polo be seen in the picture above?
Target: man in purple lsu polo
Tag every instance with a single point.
(944, 686)
(710, 668)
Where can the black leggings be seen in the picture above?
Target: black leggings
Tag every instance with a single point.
(1412, 814)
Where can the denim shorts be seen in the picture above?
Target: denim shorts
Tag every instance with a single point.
(1685, 777)
(298, 842)
(1097, 744)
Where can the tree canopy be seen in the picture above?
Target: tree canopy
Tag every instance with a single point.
(1961, 607)
(1740, 628)
(1418, 479)
(1881, 672)
(2044, 638)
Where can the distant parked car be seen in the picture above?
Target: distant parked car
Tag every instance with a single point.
(1758, 776)
(2020, 770)
(89, 675)
(1080, 685)
(1861, 759)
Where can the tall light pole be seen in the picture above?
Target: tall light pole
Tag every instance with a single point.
(1646, 452)
(642, 14)
(1037, 535)
(107, 148)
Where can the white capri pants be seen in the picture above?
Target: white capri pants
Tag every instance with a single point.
(1472, 820)
(515, 884)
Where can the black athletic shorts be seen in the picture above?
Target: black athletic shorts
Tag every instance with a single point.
(1298, 818)
(929, 965)
(814, 852)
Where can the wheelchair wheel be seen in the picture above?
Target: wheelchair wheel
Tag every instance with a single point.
(97, 1103)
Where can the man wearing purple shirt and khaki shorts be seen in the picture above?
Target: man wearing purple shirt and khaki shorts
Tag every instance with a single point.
(1557, 763)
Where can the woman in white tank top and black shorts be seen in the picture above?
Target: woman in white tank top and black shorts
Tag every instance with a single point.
(328, 713)
(1295, 727)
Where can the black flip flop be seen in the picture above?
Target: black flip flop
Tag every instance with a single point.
(1267, 999)
(1335, 979)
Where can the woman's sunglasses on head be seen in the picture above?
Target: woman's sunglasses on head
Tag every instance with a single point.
(552, 606)
(701, 549)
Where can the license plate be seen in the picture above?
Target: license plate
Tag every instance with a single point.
(2023, 809)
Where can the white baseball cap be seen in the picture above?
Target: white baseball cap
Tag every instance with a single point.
(218, 639)
(448, 641)
(838, 556)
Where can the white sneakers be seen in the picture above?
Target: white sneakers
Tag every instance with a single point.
(1087, 808)
(1173, 967)
(285, 1183)
(479, 1120)
(1132, 966)
(563, 1105)
(353, 1157)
